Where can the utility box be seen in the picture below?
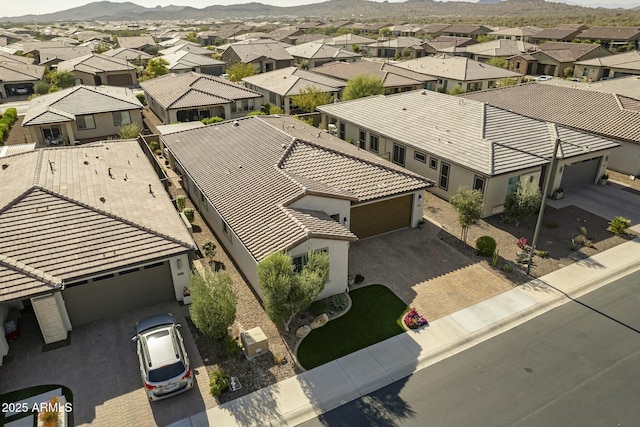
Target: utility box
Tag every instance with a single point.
(254, 342)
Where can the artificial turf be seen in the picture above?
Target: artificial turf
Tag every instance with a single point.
(375, 315)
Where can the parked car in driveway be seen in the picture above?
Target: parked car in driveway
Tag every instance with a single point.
(543, 78)
(164, 364)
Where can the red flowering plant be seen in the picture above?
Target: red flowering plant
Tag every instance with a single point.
(413, 320)
(523, 243)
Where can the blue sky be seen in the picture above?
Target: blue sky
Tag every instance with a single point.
(38, 7)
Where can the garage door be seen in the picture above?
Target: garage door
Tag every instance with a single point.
(119, 293)
(119, 80)
(580, 174)
(376, 218)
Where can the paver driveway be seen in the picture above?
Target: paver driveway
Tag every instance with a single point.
(101, 369)
(423, 271)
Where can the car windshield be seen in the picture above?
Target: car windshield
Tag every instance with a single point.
(166, 372)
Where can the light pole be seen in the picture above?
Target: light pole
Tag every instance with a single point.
(547, 180)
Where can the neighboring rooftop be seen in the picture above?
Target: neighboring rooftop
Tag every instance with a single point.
(628, 86)
(291, 80)
(291, 159)
(65, 104)
(11, 71)
(606, 114)
(192, 89)
(456, 68)
(315, 50)
(73, 212)
(478, 136)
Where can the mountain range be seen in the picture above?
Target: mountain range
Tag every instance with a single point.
(336, 9)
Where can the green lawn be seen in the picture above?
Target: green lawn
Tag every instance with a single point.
(376, 314)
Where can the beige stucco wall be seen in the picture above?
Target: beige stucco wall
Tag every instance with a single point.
(338, 262)
(105, 126)
(626, 158)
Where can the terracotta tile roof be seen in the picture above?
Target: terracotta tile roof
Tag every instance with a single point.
(63, 53)
(557, 34)
(78, 211)
(500, 48)
(595, 112)
(184, 60)
(281, 160)
(249, 52)
(568, 52)
(193, 90)
(477, 136)
(397, 43)
(136, 42)
(128, 54)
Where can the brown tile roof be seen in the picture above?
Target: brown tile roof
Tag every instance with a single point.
(557, 34)
(95, 63)
(611, 33)
(254, 168)
(136, 42)
(78, 211)
(193, 89)
(596, 112)
(569, 52)
(390, 76)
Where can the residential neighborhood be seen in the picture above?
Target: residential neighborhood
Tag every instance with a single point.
(278, 215)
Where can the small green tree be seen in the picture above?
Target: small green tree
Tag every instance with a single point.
(507, 81)
(498, 61)
(285, 292)
(568, 72)
(468, 205)
(310, 97)
(361, 86)
(457, 90)
(482, 38)
(240, 70)
(41, 88)
(271, 109)
(523, 202)
(60, 79)
(129, 131)
(156, 67)
(213, 307)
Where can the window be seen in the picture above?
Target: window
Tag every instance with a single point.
(478, 183)
(444, 176)
(342, 130)
(203, 201)
(226, 229)
(157, 264)
(301, 260)
(121, 118)
(362, 139)
(398, 154)
(373, 143)
(420, 157)
(513, 184)
(273, 98)
(242, 105)
(433, 163)
(105, 277)
(85, 122)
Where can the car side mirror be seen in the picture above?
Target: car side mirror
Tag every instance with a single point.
(178, 325)
(134, 339)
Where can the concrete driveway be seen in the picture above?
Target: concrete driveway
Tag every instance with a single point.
(100, 367)
(423, 271)
(606, 201)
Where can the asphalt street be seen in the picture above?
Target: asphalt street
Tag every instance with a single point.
(576, 365)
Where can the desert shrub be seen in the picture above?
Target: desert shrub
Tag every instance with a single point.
(338, 302)
(10, 116)
(129, 131)
(210, 120)
(218, 383)
(318, 307)
(619, 225)
(181, 202)
(142, 98)
(542, 254)
(486, 245)
(209, 248)
(2, 133)
(231, 346)
(507, 268)
(189, 213)
(154, 146)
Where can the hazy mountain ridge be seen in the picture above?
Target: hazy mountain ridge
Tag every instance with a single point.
(348, 9)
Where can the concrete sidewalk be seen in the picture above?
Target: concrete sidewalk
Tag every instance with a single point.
(326, 387)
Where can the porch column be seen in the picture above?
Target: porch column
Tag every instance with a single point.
(72, 139)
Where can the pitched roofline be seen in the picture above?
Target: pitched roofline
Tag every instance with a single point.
(18, 266)
(116, 217)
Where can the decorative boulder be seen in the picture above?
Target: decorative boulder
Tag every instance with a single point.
(319, 321)
(303, 331)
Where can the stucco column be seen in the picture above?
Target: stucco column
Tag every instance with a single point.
(72, 139)
(227, 111)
